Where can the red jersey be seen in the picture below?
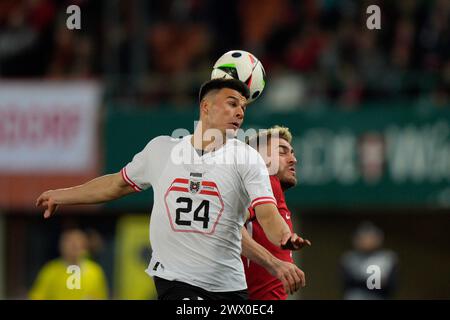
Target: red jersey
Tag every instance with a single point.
(261, 284)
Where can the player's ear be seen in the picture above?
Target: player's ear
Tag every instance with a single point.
(204, 106)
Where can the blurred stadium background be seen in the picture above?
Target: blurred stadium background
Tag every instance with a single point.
(369, 110)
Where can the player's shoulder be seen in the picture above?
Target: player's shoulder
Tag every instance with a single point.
(247, 157)
(166, 140)
(163, 141)
(92, 266)
(241, 146)
(235, 143)
(388, 254)
(53, 265)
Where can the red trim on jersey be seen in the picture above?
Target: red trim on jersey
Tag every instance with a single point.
(128, 180)
(179, 189)
(262, 200)
(180, 180)
(210, 193)
(209, 184)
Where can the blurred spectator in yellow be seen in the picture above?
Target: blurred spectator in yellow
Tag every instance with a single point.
(72, 276)
(369, 272)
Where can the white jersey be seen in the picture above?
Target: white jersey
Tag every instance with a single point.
(199, 208)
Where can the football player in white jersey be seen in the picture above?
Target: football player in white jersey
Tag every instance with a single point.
(203, 184)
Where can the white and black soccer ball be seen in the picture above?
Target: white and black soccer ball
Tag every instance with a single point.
(244, 66)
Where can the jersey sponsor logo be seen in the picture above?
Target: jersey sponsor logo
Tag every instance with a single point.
(193, 206)
(196, 174)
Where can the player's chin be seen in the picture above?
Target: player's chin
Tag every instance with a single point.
(289, 181)
(231, 132)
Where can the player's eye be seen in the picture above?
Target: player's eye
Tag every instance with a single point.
(283, 151)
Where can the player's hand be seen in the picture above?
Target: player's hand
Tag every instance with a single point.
(294, 242)
(47, 200)
(289, 274)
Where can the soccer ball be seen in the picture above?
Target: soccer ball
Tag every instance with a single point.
(244, 66)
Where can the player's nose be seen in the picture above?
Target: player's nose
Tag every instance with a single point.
(292, 159)
(240, 114)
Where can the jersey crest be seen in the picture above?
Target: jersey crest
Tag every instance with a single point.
(194, 186)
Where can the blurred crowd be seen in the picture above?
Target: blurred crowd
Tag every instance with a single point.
(316, 52)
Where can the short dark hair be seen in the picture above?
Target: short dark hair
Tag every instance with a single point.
(217, 84)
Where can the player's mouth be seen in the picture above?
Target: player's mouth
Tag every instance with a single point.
(292, 169)
(235, 125)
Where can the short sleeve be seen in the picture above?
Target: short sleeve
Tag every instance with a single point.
(139, 173)
(256, 180)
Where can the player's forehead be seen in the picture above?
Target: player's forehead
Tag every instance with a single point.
(228, 93)
(280, 143)
(74, 236)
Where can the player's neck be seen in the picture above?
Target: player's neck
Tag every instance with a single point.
(206, 142)
(72, 260)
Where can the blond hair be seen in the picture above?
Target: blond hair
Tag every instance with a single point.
(263, 136)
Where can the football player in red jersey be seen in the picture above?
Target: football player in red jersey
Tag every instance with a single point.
(270, 270)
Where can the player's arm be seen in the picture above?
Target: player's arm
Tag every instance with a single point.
(276, 229)
(98, 190)
(288, 273)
